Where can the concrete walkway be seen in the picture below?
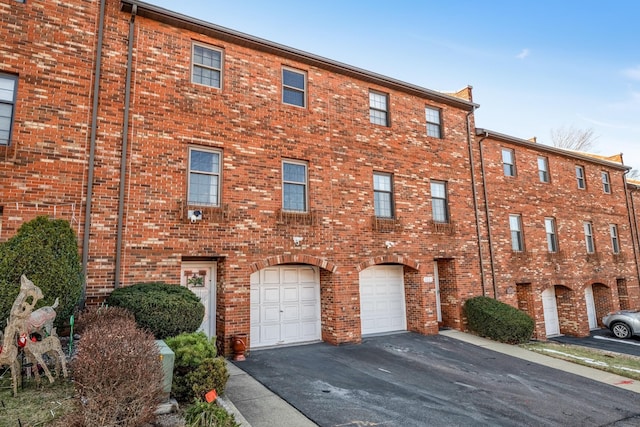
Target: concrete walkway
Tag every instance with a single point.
(254, 405)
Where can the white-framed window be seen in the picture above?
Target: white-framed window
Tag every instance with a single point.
(543, 169)
(517, 238)
(204, 177)
(434, 122)
(8, 93)
(383, 194)
(439, 202)
(206, 66)
(552, 238)
(294, 87)
(294, 186)
(588, 237)
(580, 178)
(615, 242)
(606, 182)
(508, 162)
(379, 108)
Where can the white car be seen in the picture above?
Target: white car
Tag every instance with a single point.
(623, 323)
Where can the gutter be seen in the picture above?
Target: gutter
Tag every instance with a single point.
(488, 215)
(475, 203)
(125, 143)
(92, 156)
(633, 221)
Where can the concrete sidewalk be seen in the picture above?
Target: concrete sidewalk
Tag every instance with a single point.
(254, 405)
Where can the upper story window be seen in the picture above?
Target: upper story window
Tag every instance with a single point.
(588, 237)
(383, 195)
(582, 184)
(434, 122)
(615, 242)
(379, 108)
(206, 66)
(294, 186)
(8, 86)
(439, 203)
(204, 177)
(606, 183)
(543, 169)
(508, 162)
(294, 87)
(552, 238)
(517, 238)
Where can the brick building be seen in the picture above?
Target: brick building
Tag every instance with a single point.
(303, 199)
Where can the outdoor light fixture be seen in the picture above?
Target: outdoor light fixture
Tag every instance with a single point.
(389, 244)
(195, 216)
(297, 240)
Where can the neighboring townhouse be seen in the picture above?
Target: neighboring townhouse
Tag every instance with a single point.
(561, 244)
(301, 198)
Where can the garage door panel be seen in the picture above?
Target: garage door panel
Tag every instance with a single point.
(382, 301)
(287, 309)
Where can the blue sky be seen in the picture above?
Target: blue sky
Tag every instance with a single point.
(534, 65)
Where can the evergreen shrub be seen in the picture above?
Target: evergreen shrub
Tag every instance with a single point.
(498, 321)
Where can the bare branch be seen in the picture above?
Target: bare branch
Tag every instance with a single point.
(573, 139)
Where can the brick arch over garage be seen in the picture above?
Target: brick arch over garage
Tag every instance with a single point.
(390, 259)
(294, 259)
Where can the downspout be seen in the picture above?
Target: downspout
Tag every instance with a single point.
(92, 156)
(631, 212)
(486, 207)
(125, 141)
(475, 201)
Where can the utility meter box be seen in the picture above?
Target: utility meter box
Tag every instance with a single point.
(168, 358)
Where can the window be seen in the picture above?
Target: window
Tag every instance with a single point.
(508, 162)
(207, 66)
(294, 186)
(515, 225)
(434, 124)
(439, 204)
(204, 177)
(378, 109)
(615, 243)
(8, 86)
(293, 87)
(383, 195)
(606, 183)
(588, 237)
(580, 177)
(543, 169)
(552, 239)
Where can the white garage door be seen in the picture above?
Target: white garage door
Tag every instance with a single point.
(382, 306)
(285, 305)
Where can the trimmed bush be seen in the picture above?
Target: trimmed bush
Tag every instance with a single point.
(499, 321)
(100, 316)
(203, 414)
(165, 310)
(46, 251)
(118, 375)
(196, 369)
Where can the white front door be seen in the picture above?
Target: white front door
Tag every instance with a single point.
(382, 305)
(436, 281)
(285, 305)
(550, 309)
(200, 278)
(591, 307)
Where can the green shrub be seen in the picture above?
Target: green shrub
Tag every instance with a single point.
(196, 369)
(203, 414)
(499, 321)
(165, 310)
(118, 375)
(46, 251)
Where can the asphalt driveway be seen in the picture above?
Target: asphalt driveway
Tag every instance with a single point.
(603, 339)
(413, 380)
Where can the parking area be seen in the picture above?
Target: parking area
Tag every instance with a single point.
(413, 380)
(603, 339)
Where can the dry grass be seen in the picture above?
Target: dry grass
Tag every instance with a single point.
(34, 406)
(620, 364)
